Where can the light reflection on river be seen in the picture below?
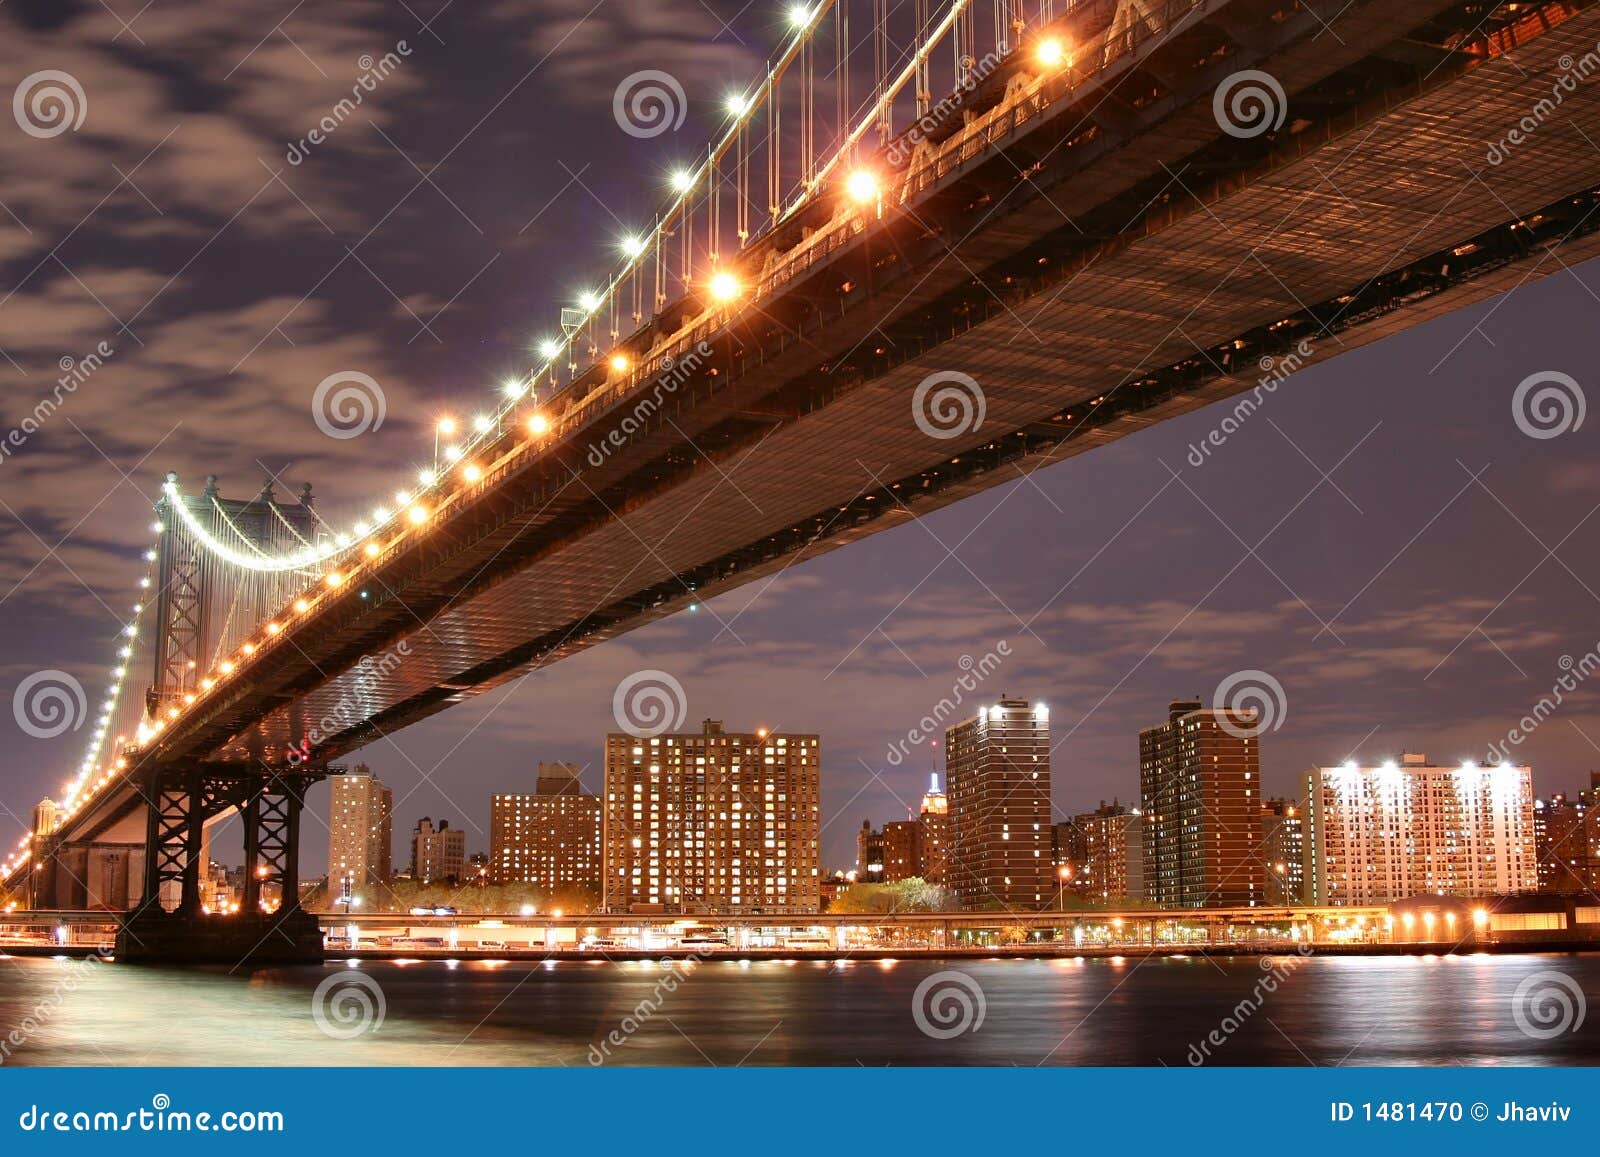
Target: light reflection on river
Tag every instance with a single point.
(1326, 1010)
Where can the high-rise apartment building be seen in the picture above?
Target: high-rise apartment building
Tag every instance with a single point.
(1403, 828)
(550, 838)
(1283, 851)
(712, 822)
(998, 771)
(1109, 862)
(1200, 791)
(437, 853)
(360, 834)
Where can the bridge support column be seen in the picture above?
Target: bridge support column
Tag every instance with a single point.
(267, 929)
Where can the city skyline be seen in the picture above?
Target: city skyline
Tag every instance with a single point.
(403, 836)
(1134, 553)
(1263, 837)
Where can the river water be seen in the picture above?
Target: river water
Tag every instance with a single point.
(1474, 1010)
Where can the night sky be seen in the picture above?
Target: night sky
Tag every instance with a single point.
(1380, 536)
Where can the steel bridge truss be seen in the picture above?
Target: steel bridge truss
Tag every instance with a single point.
(184, 799)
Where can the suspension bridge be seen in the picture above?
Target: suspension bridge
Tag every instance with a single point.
(936, 245)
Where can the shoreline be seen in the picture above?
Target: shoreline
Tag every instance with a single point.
(1013, 952)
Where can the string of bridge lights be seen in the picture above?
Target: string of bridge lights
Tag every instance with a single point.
(412, 509)
(73, 795)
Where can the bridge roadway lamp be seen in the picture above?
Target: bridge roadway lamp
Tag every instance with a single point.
(862, 186)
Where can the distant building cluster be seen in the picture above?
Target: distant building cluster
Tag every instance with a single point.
(1204, 835)
(908, 849)
(718, 822)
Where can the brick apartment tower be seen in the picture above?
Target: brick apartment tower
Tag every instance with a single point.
(1200, 787)
(712, 821)
(551, 838)
(998, 774)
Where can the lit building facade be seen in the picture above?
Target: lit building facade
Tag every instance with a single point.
(998, 772)
(712, 822)
(933, 834)
(1566, 837)
(1200, 792)
(1406, 827)
(360, 833)
(869, 854)
(902, 851)
(1110, 854)
(437, 853)
(551, 838)
(1283, 851)
(1068, 850)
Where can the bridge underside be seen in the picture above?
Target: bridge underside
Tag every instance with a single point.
(1119, 262)
(1376, 217)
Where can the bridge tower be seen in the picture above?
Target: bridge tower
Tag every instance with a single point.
(204, 606)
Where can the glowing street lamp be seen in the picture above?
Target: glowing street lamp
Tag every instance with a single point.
(862, 186)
